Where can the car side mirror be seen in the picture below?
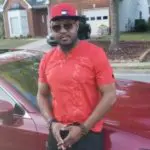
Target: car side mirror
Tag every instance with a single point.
(6, 112)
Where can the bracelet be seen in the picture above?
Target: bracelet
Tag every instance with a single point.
(50, 122)
(83, 128)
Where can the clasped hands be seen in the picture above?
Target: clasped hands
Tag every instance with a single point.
(74, 134)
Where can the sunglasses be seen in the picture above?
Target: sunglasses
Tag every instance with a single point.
(67, 26)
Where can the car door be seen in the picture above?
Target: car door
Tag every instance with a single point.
(127, 125)
(21, 134)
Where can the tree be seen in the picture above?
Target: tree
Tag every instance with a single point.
(1, 1)
(1, 22)
(115, 32)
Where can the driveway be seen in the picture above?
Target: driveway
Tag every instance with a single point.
(40, 44)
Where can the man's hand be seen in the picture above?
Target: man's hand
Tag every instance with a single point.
(56, 127)
(75, 133)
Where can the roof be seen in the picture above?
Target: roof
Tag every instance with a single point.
(16, 6)
(38, 3)
(13, 56)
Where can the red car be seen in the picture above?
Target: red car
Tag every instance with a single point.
(127, 125)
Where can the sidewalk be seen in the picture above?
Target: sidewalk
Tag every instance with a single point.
(37, 45)
(132, 67)
(137, 65)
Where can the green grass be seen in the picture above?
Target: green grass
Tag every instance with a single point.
(14, 43)
(131, 37)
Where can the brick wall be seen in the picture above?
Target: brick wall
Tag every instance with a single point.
(87, 4)
(30, 22)
(6, 25)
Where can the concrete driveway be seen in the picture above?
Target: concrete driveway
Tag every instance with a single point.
(40, 44)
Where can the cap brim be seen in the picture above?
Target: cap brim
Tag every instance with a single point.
(66, 17)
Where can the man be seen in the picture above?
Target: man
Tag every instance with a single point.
(79, 79)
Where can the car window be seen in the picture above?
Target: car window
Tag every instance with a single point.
(5, 97)
(23, 77)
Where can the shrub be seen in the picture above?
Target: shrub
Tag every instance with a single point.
(29, 36)
(103, 30)
(140, 25)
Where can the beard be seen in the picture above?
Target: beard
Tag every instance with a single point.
(68, 47)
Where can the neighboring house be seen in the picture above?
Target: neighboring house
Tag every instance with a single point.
(29, 17)
(129, 10)
(25, 18)
(96, 12)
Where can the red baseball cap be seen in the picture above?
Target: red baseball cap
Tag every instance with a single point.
(63, 10)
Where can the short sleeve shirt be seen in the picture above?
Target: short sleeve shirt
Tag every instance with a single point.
(74, 80)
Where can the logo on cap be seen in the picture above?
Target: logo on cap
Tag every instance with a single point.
(64, 12)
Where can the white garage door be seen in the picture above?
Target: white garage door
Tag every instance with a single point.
(97, 17)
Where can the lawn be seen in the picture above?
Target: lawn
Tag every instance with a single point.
(131, 37)
(13, 43)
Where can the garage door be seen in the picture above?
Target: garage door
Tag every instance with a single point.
(97, 17)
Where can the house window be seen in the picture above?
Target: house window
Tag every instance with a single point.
(25, 28)
(14, 21)
(92, 18)
(87, 19)
(99, 18)
(105, 17)
(148, 1)
(15, 5)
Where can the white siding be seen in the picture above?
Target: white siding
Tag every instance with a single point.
(129, 10)
(127, 13)
(143, 7)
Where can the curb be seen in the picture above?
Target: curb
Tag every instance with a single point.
(133, 71)
(145, 65)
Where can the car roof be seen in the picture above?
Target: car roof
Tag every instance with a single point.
(18, 55)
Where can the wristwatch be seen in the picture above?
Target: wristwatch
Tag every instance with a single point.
(82, 126)
(50, 122)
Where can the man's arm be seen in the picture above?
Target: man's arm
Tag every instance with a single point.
(108, 99)
(108, 92)
(43, 100)
(46, 110)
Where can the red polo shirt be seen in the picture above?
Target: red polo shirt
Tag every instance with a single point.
(74, 80)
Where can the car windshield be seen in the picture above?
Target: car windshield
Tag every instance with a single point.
(22, 75)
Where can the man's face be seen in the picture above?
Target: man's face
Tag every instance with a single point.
(65, 31)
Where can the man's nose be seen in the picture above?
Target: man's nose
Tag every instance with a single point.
(62, 30)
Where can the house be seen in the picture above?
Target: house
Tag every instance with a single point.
(25, 18)
(129, 10)
(29, 17)
(96, 12)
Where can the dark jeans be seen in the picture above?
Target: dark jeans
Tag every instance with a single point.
(92, 141)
